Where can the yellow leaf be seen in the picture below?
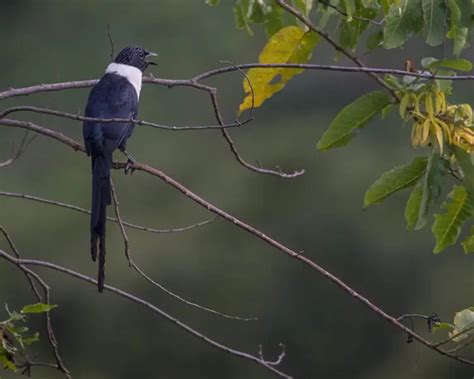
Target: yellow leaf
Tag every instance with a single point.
(291, 44)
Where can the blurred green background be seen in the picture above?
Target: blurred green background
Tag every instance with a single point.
(327, 333)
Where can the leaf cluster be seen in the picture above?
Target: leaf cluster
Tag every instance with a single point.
(15, 336)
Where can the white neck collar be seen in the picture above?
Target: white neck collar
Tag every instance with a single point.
(132, 74)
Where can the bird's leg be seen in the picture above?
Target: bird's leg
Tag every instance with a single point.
(130, 161)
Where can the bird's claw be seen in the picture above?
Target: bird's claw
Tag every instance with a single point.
(128, 166)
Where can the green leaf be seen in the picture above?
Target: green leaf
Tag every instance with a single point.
(353, 117)
(459, 22)
(447, 226)
(351, 29)
(434, 12)
(431, 187)
(468, 243)
(442, 326)
(289, 45)
(7, 364)
(464, 160)
(243, 12)
(37, 308)
(348, 7)
(404, 18)
(212, 3)
(455, 64)
(304, 6)
(395, 180)
(374, 40)
(34, 338)
(412, 208)
(273, 18)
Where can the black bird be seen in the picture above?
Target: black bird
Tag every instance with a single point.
(114, 96)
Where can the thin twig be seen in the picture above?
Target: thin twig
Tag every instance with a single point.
(21, 149)
(141, 273)
(120, 222)
(111, 43)
(140, 301)
(52, 112)
(236, 153)
(277, 361)
(85, 211)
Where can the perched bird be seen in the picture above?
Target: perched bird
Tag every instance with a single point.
(115, 96)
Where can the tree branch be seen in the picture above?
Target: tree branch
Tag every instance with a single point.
(140, 301)
(52, 112)
(52, 87)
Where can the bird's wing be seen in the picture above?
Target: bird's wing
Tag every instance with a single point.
(112, 97)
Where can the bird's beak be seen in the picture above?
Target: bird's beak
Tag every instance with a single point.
(151, 54)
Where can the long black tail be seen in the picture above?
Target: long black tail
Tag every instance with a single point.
(100, 199)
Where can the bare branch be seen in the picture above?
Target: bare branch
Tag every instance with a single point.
(187, 302)
(52, 87)
(140, 301)
(21, 149)
(150, 280)
(52, 112)
(236, 153)
(85, 211)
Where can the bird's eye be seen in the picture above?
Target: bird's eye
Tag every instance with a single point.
(141, 54)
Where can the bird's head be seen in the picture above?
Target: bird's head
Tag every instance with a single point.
(135, 56)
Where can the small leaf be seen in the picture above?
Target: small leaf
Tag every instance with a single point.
(442, 326)
(351, 118)
(7, 364)
(289, 45)
(395, 180)
(34, 338)
(412, 208)
(404, 18)
(447, 226)
(434, 12)
(37, 308)
(212, 3)
(468, 243)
